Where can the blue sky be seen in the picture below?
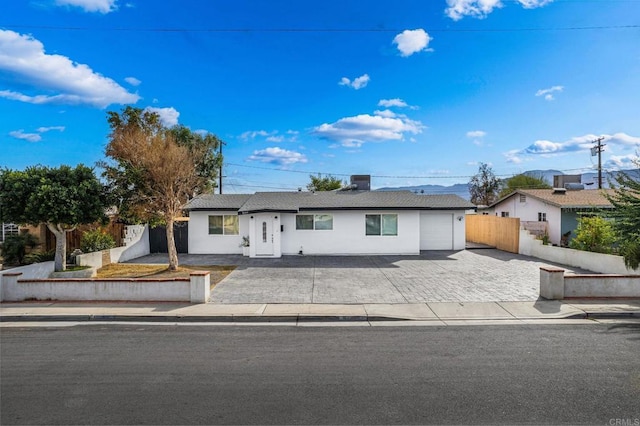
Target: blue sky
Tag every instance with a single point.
(411, 92)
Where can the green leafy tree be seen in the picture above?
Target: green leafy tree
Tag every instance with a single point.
(593, 234)
(522, 181)
(62, 198)
(14, 247)
(626, 212)
(484, 186)
(324, 183)
(154, 170)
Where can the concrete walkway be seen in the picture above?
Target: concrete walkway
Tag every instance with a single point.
(436, 313)
(486, 275)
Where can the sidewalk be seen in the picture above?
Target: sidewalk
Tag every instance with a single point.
(438, 313)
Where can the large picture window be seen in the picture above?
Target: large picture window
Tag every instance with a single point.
(319, 222)
(381, 224)
(223, 225)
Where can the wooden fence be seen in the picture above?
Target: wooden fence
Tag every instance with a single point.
(115, 229)
(502, 233)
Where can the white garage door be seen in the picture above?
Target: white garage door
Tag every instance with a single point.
(436, 231)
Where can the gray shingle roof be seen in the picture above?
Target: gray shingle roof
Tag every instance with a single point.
(330, 200)
(217, 202)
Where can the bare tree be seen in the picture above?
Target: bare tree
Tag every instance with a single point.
(161, 174)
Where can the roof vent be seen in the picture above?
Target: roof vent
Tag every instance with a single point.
(362, 182)
(559, 191)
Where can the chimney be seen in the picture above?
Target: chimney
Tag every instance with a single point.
(361, 182)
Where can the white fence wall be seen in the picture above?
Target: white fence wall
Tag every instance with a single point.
(596, 262)
(137, 245)
(196, 289)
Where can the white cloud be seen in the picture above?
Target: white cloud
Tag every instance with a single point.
(355, 131)
(278, 156)
(532, 4)
(168, 116)
(548, 93)
(101, 6)
(575, 144)
(618, 162)
(275, 139)
(63, 80)
(385, 113)
(476, 134)
(30, 137)
(458, 9)
(252, 134)
(34, 137)
(357, 83)
(397, 102)
(133, 81)
(412, 41)
(48, 129)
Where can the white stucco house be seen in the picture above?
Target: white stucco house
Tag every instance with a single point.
(344, 222)
(555, 211)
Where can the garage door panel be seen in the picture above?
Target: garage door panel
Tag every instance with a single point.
(436, 231)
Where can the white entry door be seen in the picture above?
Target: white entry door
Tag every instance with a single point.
(436, 231)
(264, 236)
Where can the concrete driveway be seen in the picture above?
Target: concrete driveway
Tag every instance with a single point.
(485, 275)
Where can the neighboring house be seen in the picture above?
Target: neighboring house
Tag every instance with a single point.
(551, 211)
(345, 222)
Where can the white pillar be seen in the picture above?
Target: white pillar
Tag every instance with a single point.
(200, 286)
(552, 283)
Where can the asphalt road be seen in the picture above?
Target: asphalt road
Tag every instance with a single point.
(151, 374)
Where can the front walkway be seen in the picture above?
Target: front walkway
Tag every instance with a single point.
(486, 275)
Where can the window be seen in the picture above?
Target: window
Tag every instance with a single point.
(542, 217)
(319, 222)
(223, 225)
(381, 224)
(264, 232)
(523, 198)
(504, 214)
(8, 229)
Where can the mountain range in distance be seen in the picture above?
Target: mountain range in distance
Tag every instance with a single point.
(589, 180)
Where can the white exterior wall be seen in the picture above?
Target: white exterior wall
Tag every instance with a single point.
(528, 211)
(348, 235)
(200, 242)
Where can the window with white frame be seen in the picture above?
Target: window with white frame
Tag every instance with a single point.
(223, 225)
(381, 224)
(542, 217)
(318, 222)
(504, 214)
(7, 230)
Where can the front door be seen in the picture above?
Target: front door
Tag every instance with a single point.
(264, 236)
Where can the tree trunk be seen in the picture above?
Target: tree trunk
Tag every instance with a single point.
(171, 246)
(61, 246)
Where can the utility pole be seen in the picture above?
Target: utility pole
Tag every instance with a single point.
(221, 161)
(597, 150)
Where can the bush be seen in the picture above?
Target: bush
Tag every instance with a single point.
(14, 248)
(593, 234)
(38, 257)
(96, 241)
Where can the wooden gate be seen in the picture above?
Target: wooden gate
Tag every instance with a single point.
(158, 238)
(502, 233)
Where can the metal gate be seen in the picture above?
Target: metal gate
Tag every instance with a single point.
(158, 238)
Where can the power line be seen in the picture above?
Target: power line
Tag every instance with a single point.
(307, 172)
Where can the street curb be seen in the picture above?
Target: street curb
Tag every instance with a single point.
(274, 319)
